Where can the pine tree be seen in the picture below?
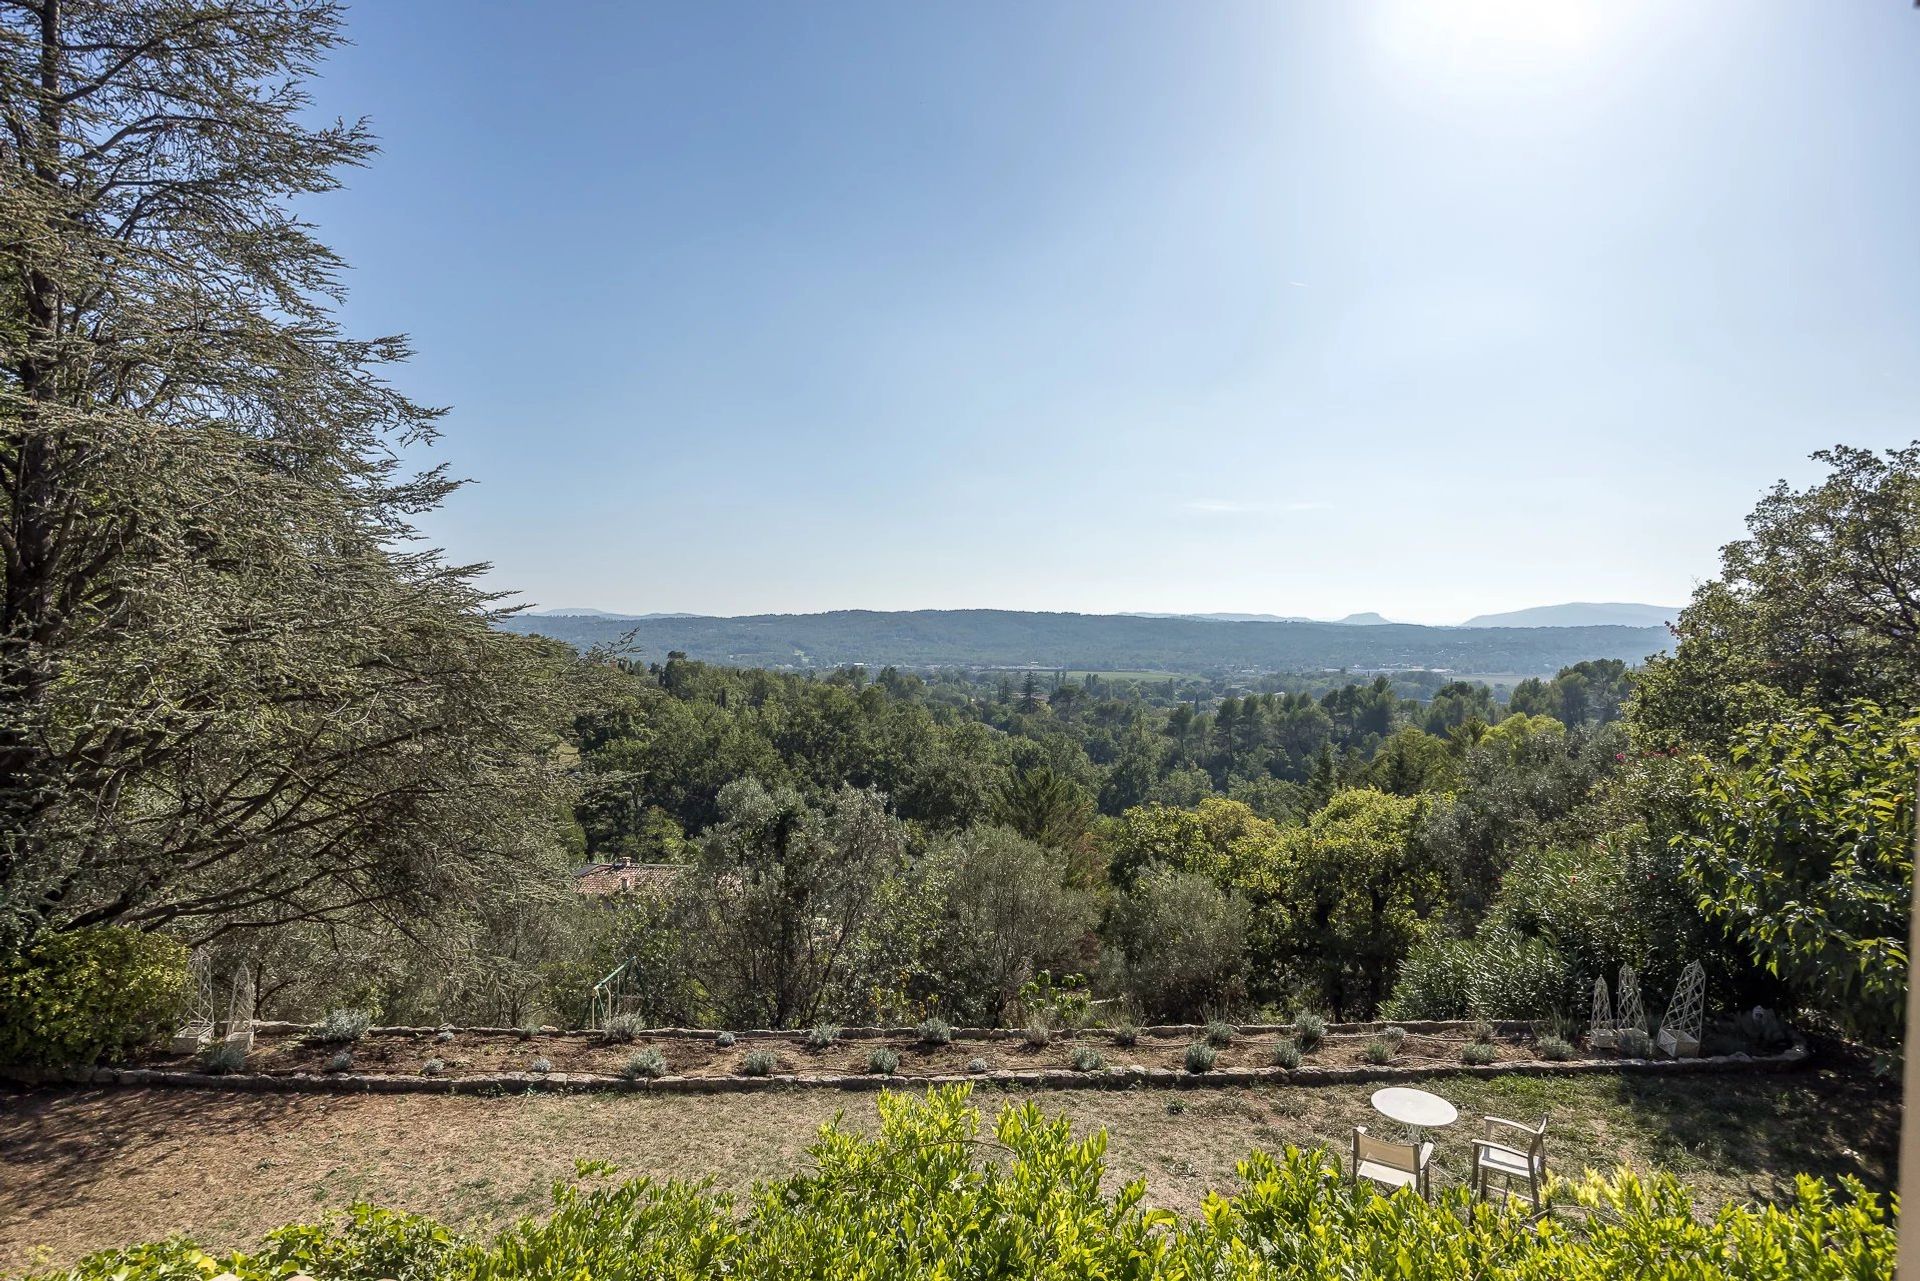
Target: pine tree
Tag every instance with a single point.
(234, 691)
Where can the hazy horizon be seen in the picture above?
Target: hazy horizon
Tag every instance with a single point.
(1433, 311)
(545, 610)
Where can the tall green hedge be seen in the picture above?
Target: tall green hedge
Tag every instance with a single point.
(70, 998)
(932, 1197)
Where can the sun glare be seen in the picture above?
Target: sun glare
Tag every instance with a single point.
(1489, 44)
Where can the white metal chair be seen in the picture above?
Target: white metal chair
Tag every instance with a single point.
(1391, 1165)
(1525, 1157)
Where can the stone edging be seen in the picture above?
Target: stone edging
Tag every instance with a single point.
(1113, 1078)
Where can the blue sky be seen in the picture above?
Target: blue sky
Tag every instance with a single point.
(1422, 307)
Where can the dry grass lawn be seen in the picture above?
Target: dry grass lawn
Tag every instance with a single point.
(82, 1170)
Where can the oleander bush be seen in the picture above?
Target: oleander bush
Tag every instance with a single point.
(75, 997)
(1030, 1203)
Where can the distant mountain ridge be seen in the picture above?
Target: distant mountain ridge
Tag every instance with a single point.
(1093, 642)
(1581, 614)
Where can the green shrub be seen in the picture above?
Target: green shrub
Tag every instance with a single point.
(444, 1035)
(1126, 1036)
(433, 1067)
(1310, 1030)
(1477, 1054)
(340, 1061)
(1087, 1059)
(1801, 846)
(1379, 1050)
(1034, 1205)
(977, 1066)
(1498, 974)
(724, 1040)
(1555, 1049)
(541, 1066)
(1394, 1036)
(1481, 1032)
(820, 1036)
(1200, 1057)
(1286, 1054)
(223, 1057)
(76, 997)
(759, 1063)
(620, 1029)
(647, 1064)
(1037, 1034)
(1181, 944)
(1220, 1035)
(343, 1026)
(934, 1032)
(1635, 1044)
(883, 1061)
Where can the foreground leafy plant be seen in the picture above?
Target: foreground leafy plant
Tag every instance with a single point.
(1028, 1201)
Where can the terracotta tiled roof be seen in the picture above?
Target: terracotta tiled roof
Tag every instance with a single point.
(602, 879)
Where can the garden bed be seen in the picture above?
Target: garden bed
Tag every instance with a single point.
(286, 1056)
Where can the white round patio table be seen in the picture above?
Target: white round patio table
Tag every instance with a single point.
(1415, 1109)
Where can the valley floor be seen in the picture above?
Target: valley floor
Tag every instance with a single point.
(82, 1170)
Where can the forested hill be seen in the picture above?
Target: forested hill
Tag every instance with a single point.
(1098, 642)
